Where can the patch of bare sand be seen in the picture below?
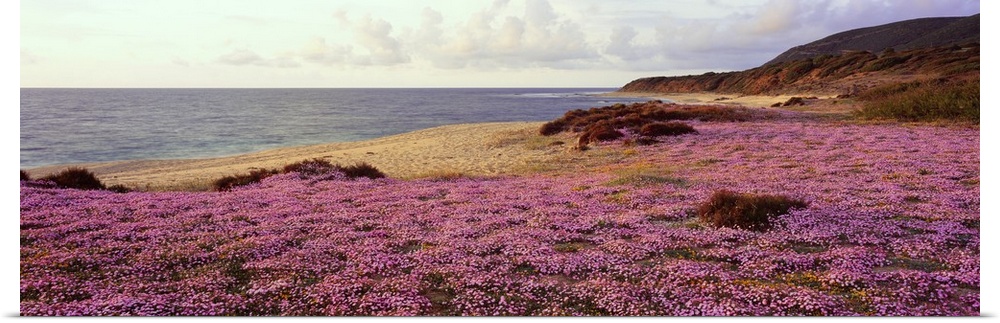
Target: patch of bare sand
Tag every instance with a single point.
(481, 149)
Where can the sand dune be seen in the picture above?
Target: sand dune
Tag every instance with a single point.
(481, 149)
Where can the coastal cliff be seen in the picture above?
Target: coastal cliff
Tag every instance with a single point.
(847, 62)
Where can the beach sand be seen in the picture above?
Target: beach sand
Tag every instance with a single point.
(481, 149)
(475, 150)
(716, 98)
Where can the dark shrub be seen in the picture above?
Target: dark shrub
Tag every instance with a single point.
(119, 188)
(599, 132)
(554, 127)
(229, 182)
(672, 128)
(646, 141)
(745, 211)
(361, 169)
(25, 176)
(77, 178)
(316, 166)
(794, 101)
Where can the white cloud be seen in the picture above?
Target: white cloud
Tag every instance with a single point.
(538, 37)
(245, 57)
(383, 49)
(586, 34)
(318, 51)
(27, 58)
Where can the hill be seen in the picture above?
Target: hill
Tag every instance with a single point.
(902, 35)
(847, 62)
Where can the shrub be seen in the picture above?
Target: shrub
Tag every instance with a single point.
(77, 178)
(25, 176)
(745, 211)
(229, 182)
(922, 101)
(361, 169)
(672, 128)
(316, 166)
(646, 141)
(599, 132)
(119, 188)
(793, 101)
(551, 128)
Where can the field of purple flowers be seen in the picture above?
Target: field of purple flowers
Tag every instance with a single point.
(892, 228)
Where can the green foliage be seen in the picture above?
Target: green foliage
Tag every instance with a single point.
(922, 101)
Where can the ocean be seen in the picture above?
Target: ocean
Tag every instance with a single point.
(62, 126)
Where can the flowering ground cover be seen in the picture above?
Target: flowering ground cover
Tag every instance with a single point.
(891, 228)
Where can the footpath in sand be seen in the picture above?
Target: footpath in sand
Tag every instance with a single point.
(481, 149)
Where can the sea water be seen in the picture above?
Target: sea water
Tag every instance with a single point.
(61, 126)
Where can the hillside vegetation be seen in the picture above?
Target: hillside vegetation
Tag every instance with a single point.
(849, 73)
(901, 35)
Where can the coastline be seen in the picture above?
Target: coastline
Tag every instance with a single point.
(761, 101)
(471, 149)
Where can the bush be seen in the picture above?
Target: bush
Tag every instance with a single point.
(76, 178)
(745, 211)
(922, 101)
(551, 128)
(672, 128)
(793, 101)
(229, 182)
(599, 132)
(361, 169)
(316, 166)
(119, 188)
(25, 176)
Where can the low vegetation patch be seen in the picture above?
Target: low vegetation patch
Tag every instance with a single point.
(316, 166)
(922, 101)
(78, 178)
(360, 169)
(653, 118)
(306, 168)
(672, 128)
(745, 211)
(74, 178)
(229, 182)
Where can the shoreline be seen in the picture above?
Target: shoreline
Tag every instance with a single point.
(755, 101)
(470, 149)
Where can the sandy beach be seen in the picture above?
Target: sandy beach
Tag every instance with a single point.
(480, 149)
(475, 149)
(755, 101)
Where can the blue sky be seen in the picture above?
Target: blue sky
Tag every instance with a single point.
(373, 43)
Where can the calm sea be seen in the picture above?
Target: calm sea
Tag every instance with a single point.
(60, 126)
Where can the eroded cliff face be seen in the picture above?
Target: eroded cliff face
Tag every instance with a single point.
(846, 73)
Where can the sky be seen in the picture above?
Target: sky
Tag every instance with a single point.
(382, 43)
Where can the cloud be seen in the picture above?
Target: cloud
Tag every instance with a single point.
(245, 57)
(749, 36)
(538, 37)
(27, 58)
(318, 51)
(383, 49)
(180, 62)
(529, 34)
